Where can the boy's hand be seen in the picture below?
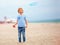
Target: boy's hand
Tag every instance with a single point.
(14, 26)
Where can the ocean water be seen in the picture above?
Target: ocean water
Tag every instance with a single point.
(46, 21)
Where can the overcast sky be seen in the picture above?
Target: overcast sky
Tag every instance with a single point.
(33, 9)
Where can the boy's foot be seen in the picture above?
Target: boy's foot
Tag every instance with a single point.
(23, 41)
(19, 41)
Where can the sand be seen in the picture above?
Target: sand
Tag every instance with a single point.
(36, 34)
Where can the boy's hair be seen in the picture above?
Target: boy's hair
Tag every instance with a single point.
(20, 9)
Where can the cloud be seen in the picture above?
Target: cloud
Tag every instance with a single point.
(33, 4)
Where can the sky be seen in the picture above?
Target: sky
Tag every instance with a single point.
(35, 10)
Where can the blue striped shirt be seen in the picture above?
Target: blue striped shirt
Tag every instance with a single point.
(21, 20)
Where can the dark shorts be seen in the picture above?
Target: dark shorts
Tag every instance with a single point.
(20, 29)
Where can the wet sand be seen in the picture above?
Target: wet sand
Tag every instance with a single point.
(36, 34)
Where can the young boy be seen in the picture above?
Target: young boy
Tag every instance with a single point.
(22, 24)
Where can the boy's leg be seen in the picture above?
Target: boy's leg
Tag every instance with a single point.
(19, 34)
(23, 34)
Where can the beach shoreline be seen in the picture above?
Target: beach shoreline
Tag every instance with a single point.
(36, 34)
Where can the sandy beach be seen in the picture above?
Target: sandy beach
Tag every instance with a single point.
(36, 34)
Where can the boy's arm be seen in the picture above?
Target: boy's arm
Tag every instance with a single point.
(15, 24)
(26, 23)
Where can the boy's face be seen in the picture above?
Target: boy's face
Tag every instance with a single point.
(20, 11)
